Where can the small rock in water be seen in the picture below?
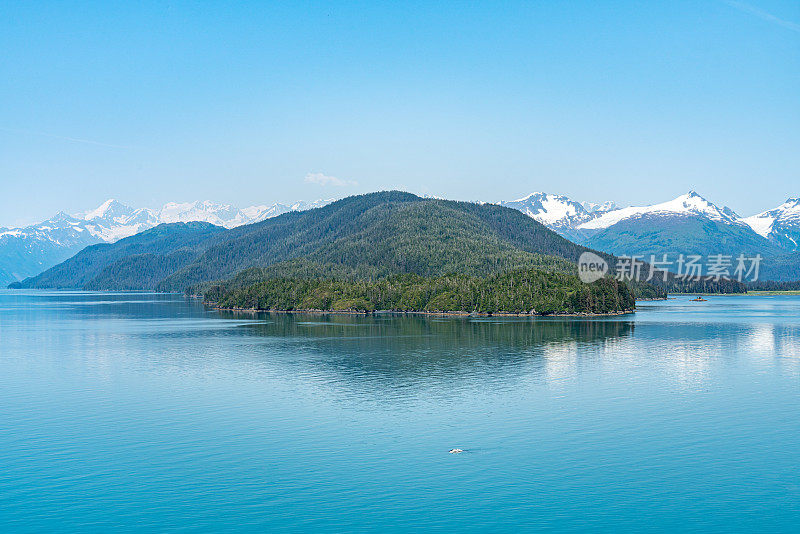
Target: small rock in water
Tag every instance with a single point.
(455, 451)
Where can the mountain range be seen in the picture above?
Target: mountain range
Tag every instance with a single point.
(28, 251)
(360, 240)
(688, 224)
(366, 236)
(389, 250)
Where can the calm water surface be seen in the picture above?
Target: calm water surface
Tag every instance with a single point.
(148, 412)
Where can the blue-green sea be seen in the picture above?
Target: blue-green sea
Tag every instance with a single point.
(149, 412)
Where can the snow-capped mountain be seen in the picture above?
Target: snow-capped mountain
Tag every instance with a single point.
(780, 225)
(260, 213)
(562, 213)
(558, 212)
(688, 205)
(113, 220)
(688, 224)
(28, 251)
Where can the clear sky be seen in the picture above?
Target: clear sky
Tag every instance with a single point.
(252, 103)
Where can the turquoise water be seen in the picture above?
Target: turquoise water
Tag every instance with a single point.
(149, 412)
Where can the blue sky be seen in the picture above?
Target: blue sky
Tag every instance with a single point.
(635, 102)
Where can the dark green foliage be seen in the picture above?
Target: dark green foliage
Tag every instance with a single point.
(519, 291)
(766, 285)
(703, 285)
(140, 271)
(782, 267)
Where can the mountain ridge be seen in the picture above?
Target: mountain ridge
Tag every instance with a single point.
(688, 225)
(30, 250)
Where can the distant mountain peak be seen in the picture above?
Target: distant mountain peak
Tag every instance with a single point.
(535, 194)
(61, 215)
(593, 207)
(689, 205)
(109, 209)
(558, 211)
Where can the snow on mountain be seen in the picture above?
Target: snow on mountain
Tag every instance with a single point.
(28, 251)
(260, 213)
(690, 204)
(205, 211)
(110, 211)
(562, 213)
(689, 224)
(304, 205)
(780, 225)
(227, 215)
(556, 211)
(113, 220)
(603, 207)
(728, 211)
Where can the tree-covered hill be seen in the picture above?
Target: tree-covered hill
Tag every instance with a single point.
(361, 237)
(386, 233)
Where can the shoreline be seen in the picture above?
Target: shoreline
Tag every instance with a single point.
(424, 313)
(776, 292)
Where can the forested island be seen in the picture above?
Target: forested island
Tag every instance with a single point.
(528, 291)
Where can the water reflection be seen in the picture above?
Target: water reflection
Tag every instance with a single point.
(399, 355)
(408, 352)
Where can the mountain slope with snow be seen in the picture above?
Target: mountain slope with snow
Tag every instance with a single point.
(28, 251)
(559, 212)
(688, 224)
(690, 205)
(780, 225)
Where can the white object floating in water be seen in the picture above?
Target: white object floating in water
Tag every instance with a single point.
(455, 451)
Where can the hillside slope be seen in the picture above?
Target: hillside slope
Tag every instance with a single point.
(670, 234)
